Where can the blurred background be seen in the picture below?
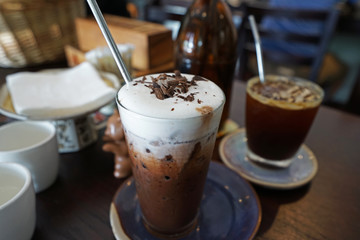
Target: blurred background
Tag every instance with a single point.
(341, 63)
(35, 32)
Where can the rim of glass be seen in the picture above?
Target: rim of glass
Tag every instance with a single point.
(273, 77)
(171, 119)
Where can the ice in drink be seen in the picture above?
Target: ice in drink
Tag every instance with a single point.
(170, 123)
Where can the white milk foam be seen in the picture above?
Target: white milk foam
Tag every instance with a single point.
(151, 119)
(137, 98)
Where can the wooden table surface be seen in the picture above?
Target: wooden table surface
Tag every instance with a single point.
(77, 205)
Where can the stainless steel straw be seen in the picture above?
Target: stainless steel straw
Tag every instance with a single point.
(257, 48)
(109, 39)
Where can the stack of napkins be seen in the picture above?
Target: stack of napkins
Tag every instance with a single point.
(54, 94)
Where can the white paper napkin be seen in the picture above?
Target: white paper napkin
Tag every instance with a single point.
(59, 93)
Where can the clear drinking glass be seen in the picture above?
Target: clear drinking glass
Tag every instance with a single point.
(279, 115)
(170, 159)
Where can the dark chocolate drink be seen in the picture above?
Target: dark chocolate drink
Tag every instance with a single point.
(170, 193)
(279, 114)
(170, 123)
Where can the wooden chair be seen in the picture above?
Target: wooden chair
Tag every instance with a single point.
(246, 44)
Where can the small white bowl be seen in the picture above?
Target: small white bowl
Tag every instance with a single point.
(34, 145)
(17, 202)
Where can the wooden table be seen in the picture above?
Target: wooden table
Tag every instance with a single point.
(77, 205)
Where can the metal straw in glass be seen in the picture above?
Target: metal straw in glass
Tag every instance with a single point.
(257, 48)
(109, 39)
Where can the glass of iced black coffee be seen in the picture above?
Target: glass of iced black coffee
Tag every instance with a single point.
(279, 114)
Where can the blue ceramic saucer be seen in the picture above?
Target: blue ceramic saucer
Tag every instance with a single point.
(302, 170)
(229, 210)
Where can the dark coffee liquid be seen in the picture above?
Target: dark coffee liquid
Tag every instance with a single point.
(169, 201)
(274, 132)
(170, 194)
(219, 73)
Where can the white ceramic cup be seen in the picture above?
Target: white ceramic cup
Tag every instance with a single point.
(34, 145)
(17, 202)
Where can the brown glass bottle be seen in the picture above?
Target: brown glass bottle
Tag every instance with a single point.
(206, 45)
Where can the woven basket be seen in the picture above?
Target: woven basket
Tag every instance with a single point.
(33, 32)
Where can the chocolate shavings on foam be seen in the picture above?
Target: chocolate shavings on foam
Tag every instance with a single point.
(168, 86)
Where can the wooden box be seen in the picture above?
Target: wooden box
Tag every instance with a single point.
(153, 42)
(75, 56)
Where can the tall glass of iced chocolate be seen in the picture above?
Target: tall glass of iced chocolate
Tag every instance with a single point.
(170, 123)
(279, 114)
